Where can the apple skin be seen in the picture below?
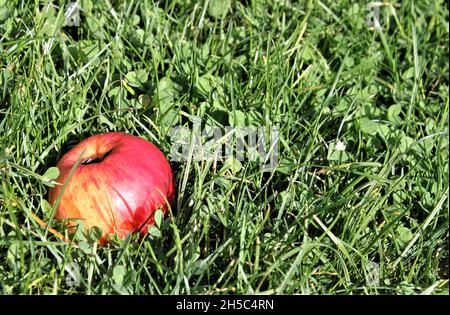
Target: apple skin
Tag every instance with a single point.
(120, 181)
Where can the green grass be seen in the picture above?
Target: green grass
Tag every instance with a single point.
(372, 219)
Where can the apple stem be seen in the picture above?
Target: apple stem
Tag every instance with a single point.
(95, 160)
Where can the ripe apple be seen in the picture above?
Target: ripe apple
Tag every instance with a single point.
(119, 183)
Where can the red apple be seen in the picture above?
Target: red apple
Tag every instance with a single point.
(120, 181)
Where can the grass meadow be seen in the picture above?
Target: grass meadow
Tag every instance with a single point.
(358, 91)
